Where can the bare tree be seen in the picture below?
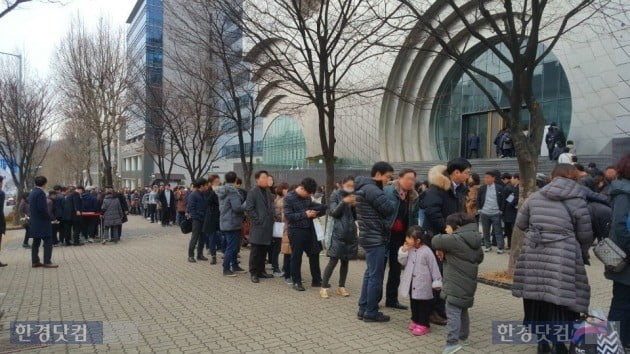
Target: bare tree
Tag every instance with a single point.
(200, 29)
(93, 77)
(519, 26)
(190, 125)
(25, 119)
(310, 48)
(10, 5)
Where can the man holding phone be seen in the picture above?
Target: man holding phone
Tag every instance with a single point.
(299, 212)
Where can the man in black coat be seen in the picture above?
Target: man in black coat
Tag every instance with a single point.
(260, 211)
(40, 226)
(511, 208)
(491, 205)
(300, 211)
(72, 217)
(166, 198)
(374, 210)
(446, 193)
(3, 222)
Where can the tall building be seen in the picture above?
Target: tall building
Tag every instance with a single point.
(145, 55)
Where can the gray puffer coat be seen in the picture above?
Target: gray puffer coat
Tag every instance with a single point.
(112, 211)
(344, 241)
(550, 267)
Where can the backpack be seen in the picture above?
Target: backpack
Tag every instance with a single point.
(601, 219)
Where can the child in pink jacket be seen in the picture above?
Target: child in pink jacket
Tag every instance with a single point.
(420, 277)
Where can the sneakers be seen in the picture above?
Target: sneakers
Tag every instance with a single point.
(343, 292)
(238, 269)
(412, 325)
(228, 273)
(450, 349)
(288, 281)
(90, 240)
(298, 287)
(323, 292)
(500, 251)
(420, 330)
(379, 317)
(278, 274)
(487, 249)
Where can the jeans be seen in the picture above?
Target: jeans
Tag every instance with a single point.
(274, 252)
(215, 242)
(196, 239)
(458, 324)
(257, 255)
(372, 288)
(153, 212)
(495, 222)
(113, 232)
(181, 215)
(343, 272)
(231, 249)
(620, 310)
(47, 250)
(303, 241)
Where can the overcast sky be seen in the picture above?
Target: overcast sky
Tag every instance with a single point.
(36, 28)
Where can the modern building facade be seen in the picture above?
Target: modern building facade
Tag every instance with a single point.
(145, 59)
(431, 106)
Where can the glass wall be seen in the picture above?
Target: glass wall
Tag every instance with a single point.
(458, 96)
(284, 143)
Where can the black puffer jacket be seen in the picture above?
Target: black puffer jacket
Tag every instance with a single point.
(440, 201)
(344, 242)
(373, 211)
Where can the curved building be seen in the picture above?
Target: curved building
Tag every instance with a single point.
(431, 106)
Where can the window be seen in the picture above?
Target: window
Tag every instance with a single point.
(284, 143)
(459, 96)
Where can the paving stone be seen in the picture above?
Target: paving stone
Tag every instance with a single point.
(174, 306)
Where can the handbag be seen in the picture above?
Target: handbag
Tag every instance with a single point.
(186, 226)
(606, 250)
(613, 257)
(278, 229)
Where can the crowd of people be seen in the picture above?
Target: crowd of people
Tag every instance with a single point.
(425, 233)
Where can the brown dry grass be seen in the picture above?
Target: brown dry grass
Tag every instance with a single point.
(501, 276)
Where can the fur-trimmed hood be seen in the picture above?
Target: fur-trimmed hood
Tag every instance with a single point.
(437, 176)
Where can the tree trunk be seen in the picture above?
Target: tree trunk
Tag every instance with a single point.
(527, 152)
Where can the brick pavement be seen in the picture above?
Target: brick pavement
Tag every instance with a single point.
(158, 302)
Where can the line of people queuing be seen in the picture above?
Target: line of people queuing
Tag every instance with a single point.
(426, 234)
(76, 214)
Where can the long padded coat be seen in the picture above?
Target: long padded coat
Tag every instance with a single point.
(550, 267)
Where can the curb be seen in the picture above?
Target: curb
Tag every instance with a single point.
(496, 284)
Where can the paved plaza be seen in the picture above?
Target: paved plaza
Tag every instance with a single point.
(152, 300)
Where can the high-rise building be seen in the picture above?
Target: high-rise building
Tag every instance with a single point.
(145, 55)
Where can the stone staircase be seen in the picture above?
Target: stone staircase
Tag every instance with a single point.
(504, 165)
